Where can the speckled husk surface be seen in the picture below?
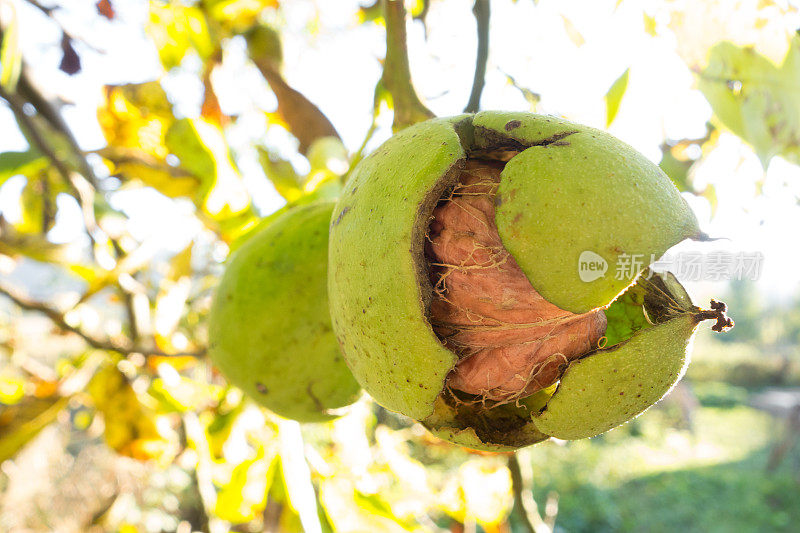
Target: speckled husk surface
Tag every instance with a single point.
(270, 329)
(565, 189)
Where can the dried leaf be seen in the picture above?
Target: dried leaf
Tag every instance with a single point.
(70, 61)
(210, 109)
(304, 119)
(105, 9)
(24, 420)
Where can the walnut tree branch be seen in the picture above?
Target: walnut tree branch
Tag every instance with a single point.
(482, 13)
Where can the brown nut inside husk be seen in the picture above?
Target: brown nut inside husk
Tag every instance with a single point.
(510, 341)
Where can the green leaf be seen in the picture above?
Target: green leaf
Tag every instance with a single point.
(203, 151)
(710, 194)
(10, 53)
(531, 97)
(755, 99)
(220, 425)
(282, 175)
(328, 153)
(373, 504)
(183, 140)
(237, 16)
(180, 394)
(676, 168)
(38, 202)
(371, 13)
(21, 163)
(614, 96)
(625, 315)
(288, 519)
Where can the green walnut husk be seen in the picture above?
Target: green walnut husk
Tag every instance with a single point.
(270, 329)
(565, 189)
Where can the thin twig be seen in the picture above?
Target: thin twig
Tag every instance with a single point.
(27, 89)
(50, 11)
(530, 518)
(201, 521)
(33, 132)
(61, 323)
(423, 15)
(71, 179)
(127, 296)
(482, 12)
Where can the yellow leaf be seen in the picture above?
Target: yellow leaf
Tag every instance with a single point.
(10, 53)
(11, 390)
(245, 495)
(614, 96)
(649, 24)
(136, 116)
(175, 29)
(130, 427)
(181, 263)
(572, 32)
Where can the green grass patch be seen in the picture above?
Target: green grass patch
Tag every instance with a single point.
(647, 476)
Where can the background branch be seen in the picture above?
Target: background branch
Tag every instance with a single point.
(524, 504)
(82, 190)
(482, 12)
(57, 317)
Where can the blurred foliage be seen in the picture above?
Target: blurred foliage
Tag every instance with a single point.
(755, 99)
(103, 352)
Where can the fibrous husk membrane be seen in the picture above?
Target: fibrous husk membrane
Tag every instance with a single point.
(511, 342)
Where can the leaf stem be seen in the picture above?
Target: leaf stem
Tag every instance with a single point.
(396, 78)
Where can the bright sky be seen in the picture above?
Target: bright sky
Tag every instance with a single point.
(337, 65)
